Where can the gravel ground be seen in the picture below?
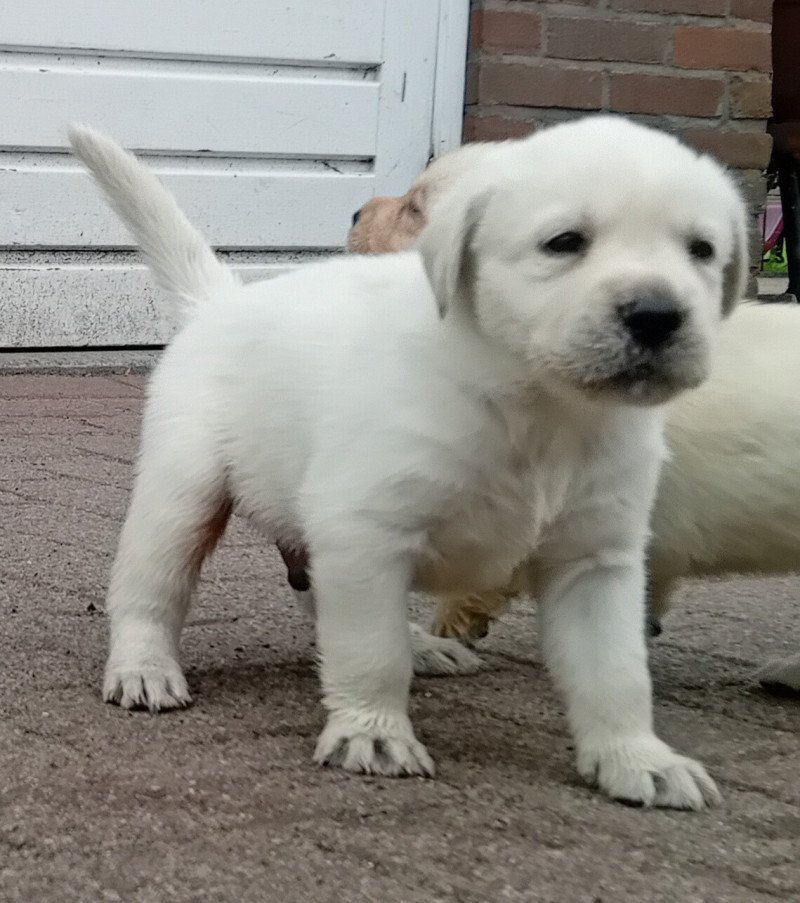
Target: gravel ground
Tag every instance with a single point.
(222, 803)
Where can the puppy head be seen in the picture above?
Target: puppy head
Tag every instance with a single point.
(387, 224)
(604, 256)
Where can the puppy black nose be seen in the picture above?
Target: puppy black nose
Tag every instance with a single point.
(356, 215)
(651, 320)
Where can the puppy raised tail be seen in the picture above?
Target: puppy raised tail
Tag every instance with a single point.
(180, 259)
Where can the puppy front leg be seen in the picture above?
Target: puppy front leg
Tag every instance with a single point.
(366, 664)
(592, 625)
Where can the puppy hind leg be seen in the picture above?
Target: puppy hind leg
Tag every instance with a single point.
(177, 514)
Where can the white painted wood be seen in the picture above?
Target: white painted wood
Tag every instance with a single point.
(451, 55)
(321, 30)
(271, 120)
(179, 106)
(406, 99)
(234, 206)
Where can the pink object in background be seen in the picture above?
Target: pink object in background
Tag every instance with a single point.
(770, 222)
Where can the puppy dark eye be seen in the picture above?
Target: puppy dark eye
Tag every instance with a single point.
(701, 249)
(567, 243)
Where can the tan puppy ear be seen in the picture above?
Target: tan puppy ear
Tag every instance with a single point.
(446, 246)
(410, 220)
(417, 203)
(737, 271)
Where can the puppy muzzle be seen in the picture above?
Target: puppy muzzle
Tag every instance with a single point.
(646, 350)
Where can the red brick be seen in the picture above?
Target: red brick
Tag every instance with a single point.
(687, 7)
(751, 98)
(540, 85)
(755, 10)
(737, 49)
(510, 31)
(635, 92)
(585, 38)
(744, 150)
(495, 128)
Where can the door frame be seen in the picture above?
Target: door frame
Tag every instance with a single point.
(451, 71)
(422, 81)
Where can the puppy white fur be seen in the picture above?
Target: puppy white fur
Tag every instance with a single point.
(408, 448)
(729, 493)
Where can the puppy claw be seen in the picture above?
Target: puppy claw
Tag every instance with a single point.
(440, 656)
(644, 771)
(378, 745)
(153, 686)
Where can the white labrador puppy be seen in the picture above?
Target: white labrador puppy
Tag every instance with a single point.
(425, 419)
(729, 493)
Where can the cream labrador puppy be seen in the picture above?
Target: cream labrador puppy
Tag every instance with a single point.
(426, 419)
(729, 494)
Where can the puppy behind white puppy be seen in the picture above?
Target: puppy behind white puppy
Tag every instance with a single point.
(336, 409)
(729, 495)
(399, 220)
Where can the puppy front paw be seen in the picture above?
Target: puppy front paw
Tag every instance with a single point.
(154, 684)
(435, 655)
(782, 675)
(644, 771)
(372, 744)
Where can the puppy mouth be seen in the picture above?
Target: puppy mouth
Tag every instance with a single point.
(646, 378)
(644, 383)
(612, 368)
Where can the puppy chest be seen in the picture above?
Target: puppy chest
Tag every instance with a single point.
(487, 534)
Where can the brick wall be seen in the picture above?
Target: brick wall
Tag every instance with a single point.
(699, 68)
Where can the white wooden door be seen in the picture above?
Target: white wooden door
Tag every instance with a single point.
(272, 121)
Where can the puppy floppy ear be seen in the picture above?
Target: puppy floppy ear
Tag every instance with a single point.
(737, 270)
(446, 246)
(416, 200)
